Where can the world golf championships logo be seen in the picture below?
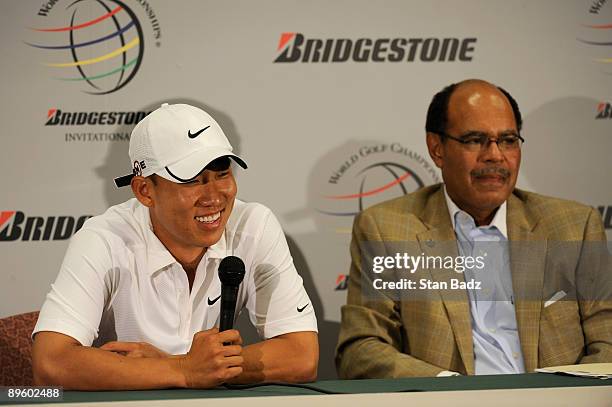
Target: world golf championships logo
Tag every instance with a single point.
(596, 33)
(371, 174)
(101, 46)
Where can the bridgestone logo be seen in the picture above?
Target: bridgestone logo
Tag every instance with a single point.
(32, 228)
(56, 117)
(296, 48)
(606, 215)
(604, 111)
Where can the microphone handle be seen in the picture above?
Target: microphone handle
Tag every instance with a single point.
(229, 296)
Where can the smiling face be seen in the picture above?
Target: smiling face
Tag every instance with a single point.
(477, 181)
(188, 218)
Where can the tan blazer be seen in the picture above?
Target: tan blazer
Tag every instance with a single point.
(386, 338)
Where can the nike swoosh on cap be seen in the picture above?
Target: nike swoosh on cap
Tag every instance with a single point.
(196, 134)
(211, 302)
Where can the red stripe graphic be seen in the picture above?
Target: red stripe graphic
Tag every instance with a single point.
(373, 191)
(76, 27)
(51, 112)
(284, 39)
(4, 216)
(601, 27)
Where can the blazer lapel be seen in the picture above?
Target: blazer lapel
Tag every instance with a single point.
(527, 263)
(439, 240)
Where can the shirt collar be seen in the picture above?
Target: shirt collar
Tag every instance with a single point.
(219, 249)
(499, 220)
(158, 257)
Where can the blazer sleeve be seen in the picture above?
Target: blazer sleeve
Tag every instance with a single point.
(371, 340)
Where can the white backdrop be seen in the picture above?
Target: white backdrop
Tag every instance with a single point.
(322, 139)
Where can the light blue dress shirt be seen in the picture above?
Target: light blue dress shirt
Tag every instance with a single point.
(497, 347)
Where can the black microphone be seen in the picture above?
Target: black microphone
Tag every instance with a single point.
(231, 273)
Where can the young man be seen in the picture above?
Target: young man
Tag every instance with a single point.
(136, 302)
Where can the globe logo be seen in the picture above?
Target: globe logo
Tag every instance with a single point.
(358, 175)
(595, 34)
(101, 46)
(377, 183)
(597, 29)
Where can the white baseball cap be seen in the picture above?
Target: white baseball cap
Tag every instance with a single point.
(176, 142)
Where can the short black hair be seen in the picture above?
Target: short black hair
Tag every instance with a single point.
(437, 113)
(219, 164)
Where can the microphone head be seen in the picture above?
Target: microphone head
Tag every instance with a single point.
(231, 271)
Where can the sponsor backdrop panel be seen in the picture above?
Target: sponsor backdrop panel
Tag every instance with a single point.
(325, 100)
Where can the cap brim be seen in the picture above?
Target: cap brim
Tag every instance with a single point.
(188, 168)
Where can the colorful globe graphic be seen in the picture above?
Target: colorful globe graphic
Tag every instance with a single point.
(101, 45)
(595, 33)
(375, 183)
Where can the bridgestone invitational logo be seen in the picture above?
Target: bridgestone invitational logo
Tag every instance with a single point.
(295, 47)
(57, 117)
(92, 119)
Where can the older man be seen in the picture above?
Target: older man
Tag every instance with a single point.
(136, 302)
(531, 313)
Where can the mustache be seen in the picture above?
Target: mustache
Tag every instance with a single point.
(491, 171)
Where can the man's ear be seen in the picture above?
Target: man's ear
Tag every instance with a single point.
(436, 148)
(143, 190)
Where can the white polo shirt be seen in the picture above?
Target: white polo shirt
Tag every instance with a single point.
(119, 282)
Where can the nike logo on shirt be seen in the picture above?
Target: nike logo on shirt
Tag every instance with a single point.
(303, 308)
(211, 302)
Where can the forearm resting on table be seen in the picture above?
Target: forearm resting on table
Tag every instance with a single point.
(60, 360)
(292, 357)
(370, 358)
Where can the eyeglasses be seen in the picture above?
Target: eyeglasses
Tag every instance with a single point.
(480, 141)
